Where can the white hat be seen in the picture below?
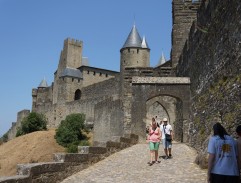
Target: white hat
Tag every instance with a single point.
(164, 119)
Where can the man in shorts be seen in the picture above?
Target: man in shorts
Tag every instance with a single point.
(167, 137)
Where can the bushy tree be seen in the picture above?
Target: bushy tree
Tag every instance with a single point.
(5, 137)
(69, 133)
(33, 122)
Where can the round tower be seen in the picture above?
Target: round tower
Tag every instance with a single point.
(135, 52)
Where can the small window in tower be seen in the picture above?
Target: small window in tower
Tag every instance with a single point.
(88, 72)
(94, 73)
(137, 61)
(128, 50)
(77, 94)
(78, 80)
(72, 79)
(106, 75)
(137, 50)
(124, 61)
(100, 74)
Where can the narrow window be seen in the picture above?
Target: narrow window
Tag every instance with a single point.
(72, 79)
(100, 74)
(77, 94)
(94, 73)
(88, 72)
(106, 75)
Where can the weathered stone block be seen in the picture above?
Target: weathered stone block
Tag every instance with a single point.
(71, 157)
(15, 179)
(92, 150)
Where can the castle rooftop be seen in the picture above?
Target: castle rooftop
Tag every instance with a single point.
(133, 39)
(71, 72)
(43, 84)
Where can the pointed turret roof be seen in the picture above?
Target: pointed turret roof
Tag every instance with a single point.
(162, 60)
(43, 84)
(144, 43)
(133, 39)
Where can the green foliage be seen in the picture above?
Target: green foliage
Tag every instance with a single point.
(19, 132)
(33, 122)
(72, 148)
(84, 143)
(5, 137)
(69, 132)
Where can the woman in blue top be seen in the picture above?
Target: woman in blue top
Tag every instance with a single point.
(222, 160)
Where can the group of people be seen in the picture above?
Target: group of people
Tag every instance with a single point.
(224, 160)
(156, 133)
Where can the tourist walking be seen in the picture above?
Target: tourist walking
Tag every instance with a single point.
(167, 137)
(222, 160)
(154, 141)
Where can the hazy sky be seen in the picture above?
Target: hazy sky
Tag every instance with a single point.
(32, 33)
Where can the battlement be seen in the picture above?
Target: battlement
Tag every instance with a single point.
(75, 42)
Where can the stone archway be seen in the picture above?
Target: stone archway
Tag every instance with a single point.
(162, 107)
(171, 94)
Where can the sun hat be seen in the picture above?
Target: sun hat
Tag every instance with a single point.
(164, 119)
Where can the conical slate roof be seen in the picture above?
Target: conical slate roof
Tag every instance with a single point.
(144, 43)
(162, 60)
(133, 39)
(43, 84)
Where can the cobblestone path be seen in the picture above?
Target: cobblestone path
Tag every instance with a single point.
(130, 166)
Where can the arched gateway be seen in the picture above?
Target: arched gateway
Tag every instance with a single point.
(162, 97)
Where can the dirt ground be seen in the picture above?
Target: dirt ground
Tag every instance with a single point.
(31, 148)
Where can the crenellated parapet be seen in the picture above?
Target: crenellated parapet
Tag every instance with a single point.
(71, 41)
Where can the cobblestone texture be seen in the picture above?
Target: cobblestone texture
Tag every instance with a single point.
(130, 165)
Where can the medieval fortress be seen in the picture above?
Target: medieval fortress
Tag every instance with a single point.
(199, 85)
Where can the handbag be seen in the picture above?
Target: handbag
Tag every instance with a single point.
(168, 137)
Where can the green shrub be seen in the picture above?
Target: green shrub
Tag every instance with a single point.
(84, 143)
(33, 122)
(72, 148)
(5, 137)
(69, 132)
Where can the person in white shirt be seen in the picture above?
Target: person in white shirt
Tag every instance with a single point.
(167, 137)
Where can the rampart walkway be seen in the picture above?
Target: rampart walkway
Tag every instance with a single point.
(130, 166)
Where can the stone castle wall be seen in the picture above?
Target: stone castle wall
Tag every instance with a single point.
(184, 12)
(93, 75)
(90, 96)
(15, 125)
(108, 120)
(212, 59)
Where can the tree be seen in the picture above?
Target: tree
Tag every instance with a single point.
(33, 122)
(69, 133)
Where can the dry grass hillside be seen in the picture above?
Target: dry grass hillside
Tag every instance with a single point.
(34, 147)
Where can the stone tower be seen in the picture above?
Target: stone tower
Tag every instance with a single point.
(68, 79)
(184, 12)
(135, 53)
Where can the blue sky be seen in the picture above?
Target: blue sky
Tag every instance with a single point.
(32, 34)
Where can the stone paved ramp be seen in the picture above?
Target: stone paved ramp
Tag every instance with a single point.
(130, 166)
